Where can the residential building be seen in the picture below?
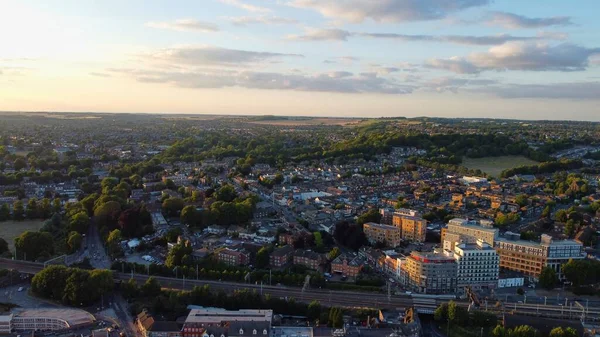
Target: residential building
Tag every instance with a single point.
(231, 323)
(234, 256)
(477, 265)
(151, 328)
(429, 273)
(386, 234)
(280, 257)
(461, 230)
(307, 258)
(413, 228)
(529, 258)
(347, 266)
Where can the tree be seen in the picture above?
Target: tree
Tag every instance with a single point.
(32, 211)
(79, 222)
(3, 246)
(457, 315)
(561, 215)
(226, 193)
(4, 212)
(45, 208)
(523, 331)
(74, 241)
(176, 255)
(151, 288)
(18, 210)
(33, 245)
(570, 227)
(262, 258)
(114, 243)
(522, 200)
(173, 206)
(441, 312)
(107, 213)
(372, 215)
(335, 252)
(314, 310)
(189, 215)
(350, 235)
(56, 205)
(499, 331)
(173, 234)
(19, 164)
(548, 278)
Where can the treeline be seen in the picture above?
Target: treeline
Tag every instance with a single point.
(72, 286)
(33, 210)
(546, 167)
(173, 304)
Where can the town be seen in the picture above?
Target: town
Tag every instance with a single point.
(184, 225)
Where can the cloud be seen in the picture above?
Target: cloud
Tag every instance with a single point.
(571, 90)
(245, 6)
(265, 20)
(387, 10)
(99, 74)
(515, 21)
(453, 84)
(312, 34)
(338, 82)
(457, 39)
(189, 25)
(321, 35)
(520, 56)
(209, 55)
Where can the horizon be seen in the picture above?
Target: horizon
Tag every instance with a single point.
(360, 58)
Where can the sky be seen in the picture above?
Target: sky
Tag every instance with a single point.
(336, 58)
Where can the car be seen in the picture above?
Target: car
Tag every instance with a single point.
(20, 289)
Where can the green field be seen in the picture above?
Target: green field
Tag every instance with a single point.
(9, 230)
(495, 165)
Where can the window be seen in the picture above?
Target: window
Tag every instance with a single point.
(254, 332)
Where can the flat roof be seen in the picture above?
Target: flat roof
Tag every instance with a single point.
(209, 315)
(73, 317)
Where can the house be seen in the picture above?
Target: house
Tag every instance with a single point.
(281, 256)
(346, 265)
(151, 328)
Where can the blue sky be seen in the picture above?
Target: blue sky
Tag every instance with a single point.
(453, 58)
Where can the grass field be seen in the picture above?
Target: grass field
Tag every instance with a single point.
(495, 165)
(9, 230)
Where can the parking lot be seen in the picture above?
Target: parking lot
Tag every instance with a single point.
(23, 298)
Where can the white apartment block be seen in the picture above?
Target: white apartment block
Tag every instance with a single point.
(478, 265)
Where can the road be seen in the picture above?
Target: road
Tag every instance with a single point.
(572, 310)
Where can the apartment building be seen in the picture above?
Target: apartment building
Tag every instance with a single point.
(429, 273)
(529, 258)
(234, 256)
(307, 258)
(280, 257)
(465, 231)
(346, 265)
(413, 228)
(389, 235)
(230, 323)
(477, 265)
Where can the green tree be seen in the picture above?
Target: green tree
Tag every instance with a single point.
(226, 193)
(370, 216)
(314, 310)
(523, 331)
(561, 215)
(441, 312)
(570, 228)
(56, 205)
(262, 258)
(45, 208)
(4, 212)
(189, 215)
(3, 246)
(113, 243)
(335, 252)
(18, 210)
(151, 288)
(522, 200)
(499, 331)
(79, 222)
(456, 314)
(548, 278)
(32, 211)
(74, 241)
(33, 245)
(176, 255)
(173, 206)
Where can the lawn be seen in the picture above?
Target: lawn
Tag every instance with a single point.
(9, 230)
(495, 165)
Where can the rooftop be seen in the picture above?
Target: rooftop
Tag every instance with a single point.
(73, 317)
(211, 315)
